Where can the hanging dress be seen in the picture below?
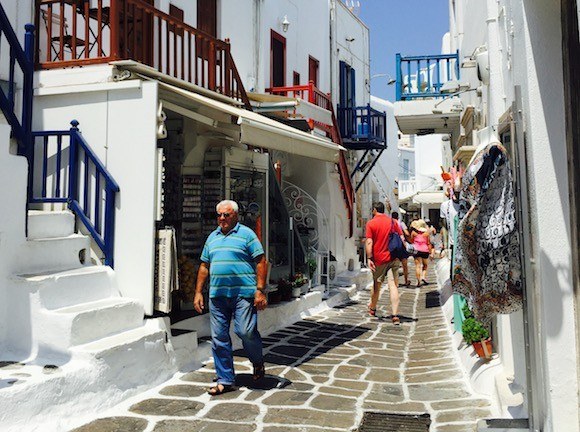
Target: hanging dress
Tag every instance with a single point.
(487, 268)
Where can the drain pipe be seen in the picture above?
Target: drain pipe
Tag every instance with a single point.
(257, 43)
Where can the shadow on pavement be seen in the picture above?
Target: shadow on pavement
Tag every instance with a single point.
(269, 382)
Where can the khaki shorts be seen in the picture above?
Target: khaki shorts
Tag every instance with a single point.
(389, 270)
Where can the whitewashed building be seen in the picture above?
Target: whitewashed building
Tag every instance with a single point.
(512, 77)
(145, 115)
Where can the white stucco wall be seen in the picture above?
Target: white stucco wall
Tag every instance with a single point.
(524, 43)
(13, 172)
(119, 125)
(351, 45)
(389, 162)
(428, 160)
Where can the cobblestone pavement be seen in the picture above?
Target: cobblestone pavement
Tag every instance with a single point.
(323, 372)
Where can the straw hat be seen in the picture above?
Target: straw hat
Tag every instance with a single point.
(420, 225)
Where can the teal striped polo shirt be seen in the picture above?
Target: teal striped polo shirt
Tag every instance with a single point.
(231, 259)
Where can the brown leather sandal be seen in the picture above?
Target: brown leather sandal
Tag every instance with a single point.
(396, 320)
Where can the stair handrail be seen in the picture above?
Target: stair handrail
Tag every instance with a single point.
(102, 232)
(21, 129)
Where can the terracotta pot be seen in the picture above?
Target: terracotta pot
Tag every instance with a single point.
(484, 353)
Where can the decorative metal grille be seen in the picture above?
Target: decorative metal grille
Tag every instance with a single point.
(307, 214)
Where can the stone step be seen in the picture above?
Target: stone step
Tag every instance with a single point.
(125, 348)
(50, 224)
(94, 320)
(58, 289)
(59, 253)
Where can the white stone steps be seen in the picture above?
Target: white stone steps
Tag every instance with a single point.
(50, 224)
(91, 321)
(49, 254)
(58, 289)
(123, 346)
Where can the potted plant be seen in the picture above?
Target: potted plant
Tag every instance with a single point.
(285, 289)
(475, 333)
(299, 285)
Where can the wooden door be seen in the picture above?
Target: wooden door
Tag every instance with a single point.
(313, 70)
(207, 23)
(277, 60)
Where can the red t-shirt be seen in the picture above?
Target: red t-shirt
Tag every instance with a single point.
(378, 229)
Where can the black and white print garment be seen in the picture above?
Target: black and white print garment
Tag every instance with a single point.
(487, 268)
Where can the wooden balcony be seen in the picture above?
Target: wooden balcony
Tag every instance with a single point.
(363, 127)
(85, 32)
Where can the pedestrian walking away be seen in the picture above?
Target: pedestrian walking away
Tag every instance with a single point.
(380, 261)
(420, 239)
(234, 260)
(404, 261)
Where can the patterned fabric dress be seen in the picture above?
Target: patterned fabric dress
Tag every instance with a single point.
(487, 268)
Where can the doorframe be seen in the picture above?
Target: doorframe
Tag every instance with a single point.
(278, 37)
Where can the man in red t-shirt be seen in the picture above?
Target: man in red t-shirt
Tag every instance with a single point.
(379, 259)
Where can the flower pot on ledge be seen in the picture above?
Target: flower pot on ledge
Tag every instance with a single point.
(483, 348)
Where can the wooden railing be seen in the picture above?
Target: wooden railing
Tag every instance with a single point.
(362, 127)
(84, 32)
(72, 173)
(308, 92)
(421, 77)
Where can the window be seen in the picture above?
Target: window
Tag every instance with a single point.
(295, 78)
(313, 70)
(277, 60)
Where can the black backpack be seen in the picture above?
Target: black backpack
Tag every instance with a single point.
(396, 246)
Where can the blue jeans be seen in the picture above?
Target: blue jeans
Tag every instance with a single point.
(221, 311)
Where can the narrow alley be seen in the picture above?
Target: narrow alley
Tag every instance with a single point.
(340, 370)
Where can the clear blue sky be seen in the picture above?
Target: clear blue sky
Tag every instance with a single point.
(409, 27)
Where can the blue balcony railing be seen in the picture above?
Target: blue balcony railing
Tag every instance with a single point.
(70, 172)
(362, 127)
(20, 63)
(423, 76)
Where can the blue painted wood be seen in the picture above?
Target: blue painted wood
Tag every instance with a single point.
(102, 226)
(98, 202)
(410, 82)
(58, 157)
(25, 59)
(362, 127)
(44, 165)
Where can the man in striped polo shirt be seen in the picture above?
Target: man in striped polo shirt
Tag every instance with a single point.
(234, 260)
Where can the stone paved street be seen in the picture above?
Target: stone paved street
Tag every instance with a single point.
(323, 373)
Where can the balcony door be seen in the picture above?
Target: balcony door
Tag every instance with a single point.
(347, 84)
(207, 16)
(277, 60)
(313, 66)
(207, 23)
(347, 99)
